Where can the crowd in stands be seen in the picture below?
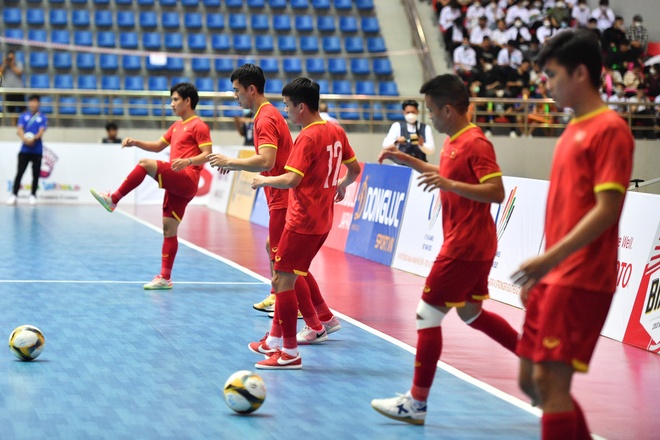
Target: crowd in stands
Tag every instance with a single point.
(494, 44)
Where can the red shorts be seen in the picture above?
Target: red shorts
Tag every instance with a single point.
(296, 251)
(275, 228)
(452, 283)
(180, 188)
(562, 324)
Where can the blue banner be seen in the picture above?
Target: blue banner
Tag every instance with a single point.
(260, 214)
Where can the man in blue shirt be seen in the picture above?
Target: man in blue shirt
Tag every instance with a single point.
(32, 125)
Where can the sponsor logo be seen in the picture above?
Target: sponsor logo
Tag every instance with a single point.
(435, 207)
(378, 205)
(427, 289)
(278, 258)
(504, 213)
(551, 343)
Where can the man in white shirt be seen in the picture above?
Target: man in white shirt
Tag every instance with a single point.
(474, 12)
(519, 33)
(465, 60)
(581, 13)
(604, 15)
(510, 56)
(493, 14)
(518, 10)
(478, 33)
(411, 136)
(499, 35)
(545, 31)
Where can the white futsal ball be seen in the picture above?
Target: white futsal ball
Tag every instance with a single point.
(27, 342)
(28, 135)
(244, 392)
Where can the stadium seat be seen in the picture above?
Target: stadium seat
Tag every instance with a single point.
(224, 65)
(62, 60)
(337, 66)
(37, 35)
(35, 17)
(14, 33)
(80, 17)
(242, 43)
(331, 45)
(299, 4)
(321, 4)
(343, 5)
(38, 60)
(360, 66)
(388, 88)
(109, 61)
(68, 105)
(128, 40)
(12, 16)
(245, 60)
(133, 83)
(46, 105)
(341, 87)
(324, 86)
(192, 20)
(255, 4)
(158, 83)
(269, 65)
(60, 37)
(125, 19)
(220, 42)
(87, 82)
(85, 61)
(232, 110)
(110, 82)
(215, 21)
(103, 19)
(309, 44)
(148, 20)
(173, 41)
(259, 22)
(63, 81)
(365, 88)
(225, 85)
(151, 40)
(83, 38)
(274, 85)
(353, 45)
(206, 108)
(124, 2)
(138, 107)
(374, 113)
(237, 22)
(131, 62)
(190, 3)
(175, 64)
(286, 43)
(304, 23)
(277, 4)
(211, 3)
(349, 111)
(282, 23)
(234, 3)
(364, 5)
(204, 84)
(170, 20)
(292, 65)
(151, 67)
(167, 3)
(40, 81)
(382, 66)
(393, 112)
(376, 44)
(197, 41)
(115, 107)
(201, 64)
(58, 17)
(101, 2)
(348, 24)
(81, 2)
(315, 65)
(370, 25)
(179, 79)
(325, 23)
(264, 43)
(105, 39)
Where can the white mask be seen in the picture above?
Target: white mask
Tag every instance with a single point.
(518, 23)
(638, 23)
(560, 5)
(546, 23)
(411, 118)
(499, 93)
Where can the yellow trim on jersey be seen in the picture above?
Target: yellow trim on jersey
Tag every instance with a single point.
(255, 115)
(266, 146)
(590, 114)
(490, 176)
(176, 217)
(189, 119)
(300, 272)
(352, 159)
(610, 186)
(453, 304)
(481, 297)
(315, 123)
(293, 170)
(461, 131)
(163, 139)
(580, 366)
(160, 180)
(205, 144)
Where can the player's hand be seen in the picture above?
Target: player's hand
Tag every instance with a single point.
(393, 154)
(530, 273)
(218, 160)
(223, 170)
(258, 182)
(432, 180)
(128, 142)
(179, 164)
(341, 193)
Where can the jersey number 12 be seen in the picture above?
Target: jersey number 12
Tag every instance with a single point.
(334, 152)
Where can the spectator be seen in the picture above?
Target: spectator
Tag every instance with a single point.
(111, 130)
(494, 14)
(532, 51)
(619, 58)
(486, 53)
(510, 56)
(11, 71)
(457, 31)
(581, 13)
(632, 79)
(518, 10)
(480, 31)
(613, 36)
(652, 80)
(536, 14)
(474, 14)
(465, 60)
(323, 113)
(642, 112)
(638, 36)
(519, 33)
(499, 35)
(412, 137)
(245, 126)
(603, 15)
(490, 80)
(592, 25)
(546, 30)
(541, 113)
(517, 80)
(560, 13)
(618, 101)
(448, 16)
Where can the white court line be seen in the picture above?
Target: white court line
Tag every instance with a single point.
(215, 283)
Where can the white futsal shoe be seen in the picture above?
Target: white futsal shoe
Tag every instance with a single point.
(402, 408)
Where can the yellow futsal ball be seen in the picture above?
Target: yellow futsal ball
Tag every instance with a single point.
(27, 342)
(244, 392)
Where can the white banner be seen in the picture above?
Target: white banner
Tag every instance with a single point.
(221, 184)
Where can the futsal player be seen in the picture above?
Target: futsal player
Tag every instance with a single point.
(190, 142)
(469, 180)
(568, 289)
(311, 174)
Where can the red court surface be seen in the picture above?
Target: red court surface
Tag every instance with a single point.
(619, 395)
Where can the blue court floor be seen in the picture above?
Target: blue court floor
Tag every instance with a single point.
(123, 363)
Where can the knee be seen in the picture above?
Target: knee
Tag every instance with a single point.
(428, 316)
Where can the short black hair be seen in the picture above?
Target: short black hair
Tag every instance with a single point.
(447, 89)
(111, 126)
(571, 48)
(250, 75)
(186, 90)
(408, 102)
(34, 96)
(303, 90)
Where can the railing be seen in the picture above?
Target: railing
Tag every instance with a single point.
(419, 38)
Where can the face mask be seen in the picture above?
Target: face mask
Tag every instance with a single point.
(619, 92)
(475, 89)
(246, 112)
(525, 4)
(546, 23)
(538, 5)
(518, 24)
(603, 8)
(638, 23)
(411, 118)
(499, 93)
(652, 71)
(560, 5)
(488, 67)
(466, 46)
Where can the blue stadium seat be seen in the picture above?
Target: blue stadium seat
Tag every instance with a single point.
(365, 88)
(264, 43)
(215, 21)
(315, 65)
(321, 4)
(274, 85)
(237, 22)
(133, 83)
(309, 44)
(211, 3)
(337, 66)
(201, 64)
(87, 82)
(376, 44)
(324, 86)
(46, 105)
(299, 4)
(393, 112)
(234, 3)
(245, 60)
(197, 41)
(341, 87)
(375, 113)
(138, 107)
(148, 20)
(292, 65)
(388, 88)
(90, 106)
(80, 17)
(101, 2)
(14, 33)
(370, 25)
(233, 109)
(55, 1)
(63, 81)
(277, 4)
(128, 40)
(343, 5)
(124, 2)
(38, 60)
(115, 107)
(35, 17)
(348, 24)
(349, 111)
(179, 79)
(109, 61)
(158, 83)
(331, 45)
(224, 65)
(105, 39)
(62, 60)
(40, 81)
(382, 66)
(242, 43)
(167, 3)
(353, 45)
(304, 23)
(37, 35)
(190, 3)
(259, 22)
(256, 3)
(103, 19)
(68, 105)
(204, 84)
(360, 66)
(206, 108)
(225, 84)
(85, 61)
(83, 38)
(192, 20)
(286, 43)
(110, 82)
(155, 67)
(58, 17)
(364, 5)
(269, 65)
(12, 16)
(175, 64)
(151, 40)
(60, 37)
(173, 41)
(220, 42)
(81, 2)
(131, 62)
(125, 19)
(325, 23)
(282, 23)
(170, 20)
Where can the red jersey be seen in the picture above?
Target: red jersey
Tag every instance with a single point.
(594, 153)
(186, 138)
(317, 155)
(468, 227)
(272, 131)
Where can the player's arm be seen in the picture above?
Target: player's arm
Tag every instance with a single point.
(489, 190)
(184, 162)
(287, 180)
(262, 161)
(352, 173)
(155, 146)
(397, 156)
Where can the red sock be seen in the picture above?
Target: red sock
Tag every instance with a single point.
(497, 328)
(287, 306)
(305, 305)
(429, 347)
(276, 326)
(133, 180)
(558, 426)
(170, 246)
(582, 427)
(321, 307)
